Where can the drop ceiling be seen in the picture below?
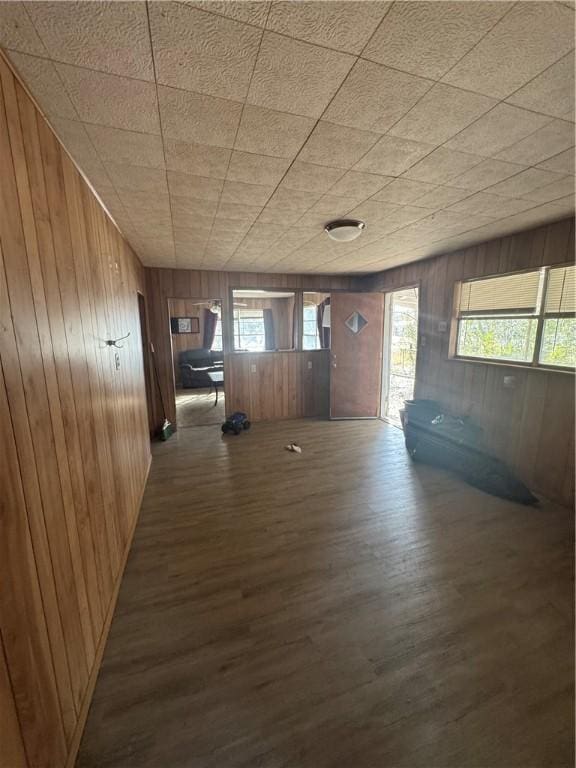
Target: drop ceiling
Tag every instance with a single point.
(224, 135)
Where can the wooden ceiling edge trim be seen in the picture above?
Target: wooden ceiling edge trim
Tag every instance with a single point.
(87, 181)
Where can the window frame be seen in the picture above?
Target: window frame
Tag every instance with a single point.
(297, 324)
(540, 315)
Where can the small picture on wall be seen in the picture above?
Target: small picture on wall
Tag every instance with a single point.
(185, 325)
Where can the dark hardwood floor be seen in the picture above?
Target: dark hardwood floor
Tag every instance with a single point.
(342, 608)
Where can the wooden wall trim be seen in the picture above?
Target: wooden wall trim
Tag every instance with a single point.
(75, 446)
(530, 426)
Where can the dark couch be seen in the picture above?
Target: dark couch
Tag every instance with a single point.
(196, 364)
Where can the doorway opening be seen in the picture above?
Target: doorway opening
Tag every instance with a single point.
(400, 349)
(198, 361)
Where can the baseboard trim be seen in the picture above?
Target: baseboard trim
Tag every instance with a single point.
(84, 709)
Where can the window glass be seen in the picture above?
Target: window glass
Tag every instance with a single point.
(263, 320)
(505, 338)
(508, 317)
(249, 330)
(558, 345)
(217, 343)
(315, 320)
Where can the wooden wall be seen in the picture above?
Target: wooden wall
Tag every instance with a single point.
(530, 426)
(305, 391)
(74, 452)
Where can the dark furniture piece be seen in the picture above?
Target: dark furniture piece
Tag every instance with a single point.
(196, 365)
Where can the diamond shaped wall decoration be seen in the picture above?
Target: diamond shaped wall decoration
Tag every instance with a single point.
(356, 322)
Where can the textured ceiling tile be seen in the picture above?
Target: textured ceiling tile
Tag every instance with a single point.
(238, 211)
(117, 146)
(491, 205)
(194, 117)
(441, 166)
(375, 97)
(392, 156)
(202, 52)
(76, 140)
(530, 38)
(336, 145)
(256, 169)
(562, 163)
(523, 183)
(359, 185)
(345, 26)
(427, 38)
(311, 178)
(553, 191)
(137, 178)
(485, 174)
(246, 194)
(278, 215)
(117, 102)
(189, 213)
(17, 32)
(265, 131)
(296, 77)
(199, 230)
(108, 36)
(550, 140)
(293, 200)
(194, 187)
(331, 207)
(500, 128)
(441, 113)
(552, 92)
(186, 237)
(248, 11)
(148, 203)
(42, 79)
(441, 197)
(197, 159)
(231, 227)
(403, 191)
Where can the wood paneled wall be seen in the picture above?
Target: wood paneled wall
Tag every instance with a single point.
(75, 451)
(304, 390)
(530, 426)
(279, 385)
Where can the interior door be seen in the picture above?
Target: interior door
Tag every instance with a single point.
(356, 327)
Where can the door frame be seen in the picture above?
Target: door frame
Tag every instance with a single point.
(386, 343)
(146, 362)
(198, 299)
(354, 418)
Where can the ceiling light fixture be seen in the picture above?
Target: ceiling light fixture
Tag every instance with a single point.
(344, 230)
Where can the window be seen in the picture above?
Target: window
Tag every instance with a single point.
(526, 317)
(217, 343)
(310, 339)
(249, 334)
(263, 319)
(315, 320)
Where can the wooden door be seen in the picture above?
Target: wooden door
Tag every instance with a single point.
(356, 325)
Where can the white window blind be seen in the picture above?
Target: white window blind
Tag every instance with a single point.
(561, 291)
(506, 294)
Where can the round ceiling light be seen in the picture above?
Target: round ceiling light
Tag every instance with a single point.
(344, 230)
